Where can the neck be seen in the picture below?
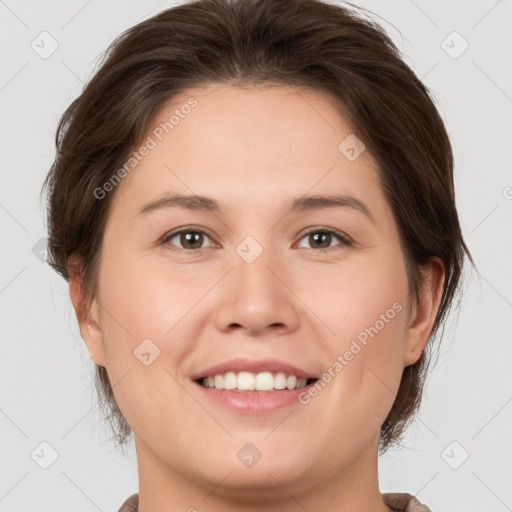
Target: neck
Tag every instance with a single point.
(164, 487)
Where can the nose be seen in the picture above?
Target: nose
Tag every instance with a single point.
(258, 298)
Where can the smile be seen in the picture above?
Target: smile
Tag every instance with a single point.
(247, 381)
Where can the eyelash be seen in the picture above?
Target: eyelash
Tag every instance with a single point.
(345, 239)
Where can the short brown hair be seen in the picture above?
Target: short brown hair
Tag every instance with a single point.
(303, 43)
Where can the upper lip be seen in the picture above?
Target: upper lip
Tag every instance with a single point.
(254, 366)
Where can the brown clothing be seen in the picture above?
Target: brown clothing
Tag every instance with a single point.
(396, 501)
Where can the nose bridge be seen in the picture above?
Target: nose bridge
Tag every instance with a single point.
(254, 280)
(253, 262)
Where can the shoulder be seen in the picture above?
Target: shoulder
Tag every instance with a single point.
(131, 504)
(397, 501)
(404, 502)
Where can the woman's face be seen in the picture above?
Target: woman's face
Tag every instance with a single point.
(250, 280)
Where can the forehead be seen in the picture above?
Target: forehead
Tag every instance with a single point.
(250, 144)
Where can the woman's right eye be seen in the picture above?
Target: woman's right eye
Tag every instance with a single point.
(190, 239)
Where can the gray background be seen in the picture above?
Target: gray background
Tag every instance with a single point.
(46, 386)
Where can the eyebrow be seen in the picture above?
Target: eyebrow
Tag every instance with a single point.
(301, 204)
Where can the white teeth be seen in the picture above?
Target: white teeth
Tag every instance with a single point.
(230, 380)
(280, 381)
(264, 382)
(247, 381)
(219, 381)
(291, 383)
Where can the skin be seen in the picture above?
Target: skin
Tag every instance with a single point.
(254, 150)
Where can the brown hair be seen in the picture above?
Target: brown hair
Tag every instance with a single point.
(303, 43)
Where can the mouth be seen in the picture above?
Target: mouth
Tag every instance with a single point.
(247, 382)
(253, 394)
(253, 386)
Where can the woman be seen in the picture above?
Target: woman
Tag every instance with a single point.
(253, 204)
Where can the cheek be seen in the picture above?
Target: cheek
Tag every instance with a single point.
(144, 320)
(357, 295)
(145, 339)
(365, 307)
(150, 298)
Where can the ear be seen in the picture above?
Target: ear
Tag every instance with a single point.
(424, 310)
(88, 318)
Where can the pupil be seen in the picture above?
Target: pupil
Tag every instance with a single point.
(189, 239)
(319, 234)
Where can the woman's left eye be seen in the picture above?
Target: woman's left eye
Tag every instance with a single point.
(322, 238)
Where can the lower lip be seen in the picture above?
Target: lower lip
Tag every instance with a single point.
(254, 402)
